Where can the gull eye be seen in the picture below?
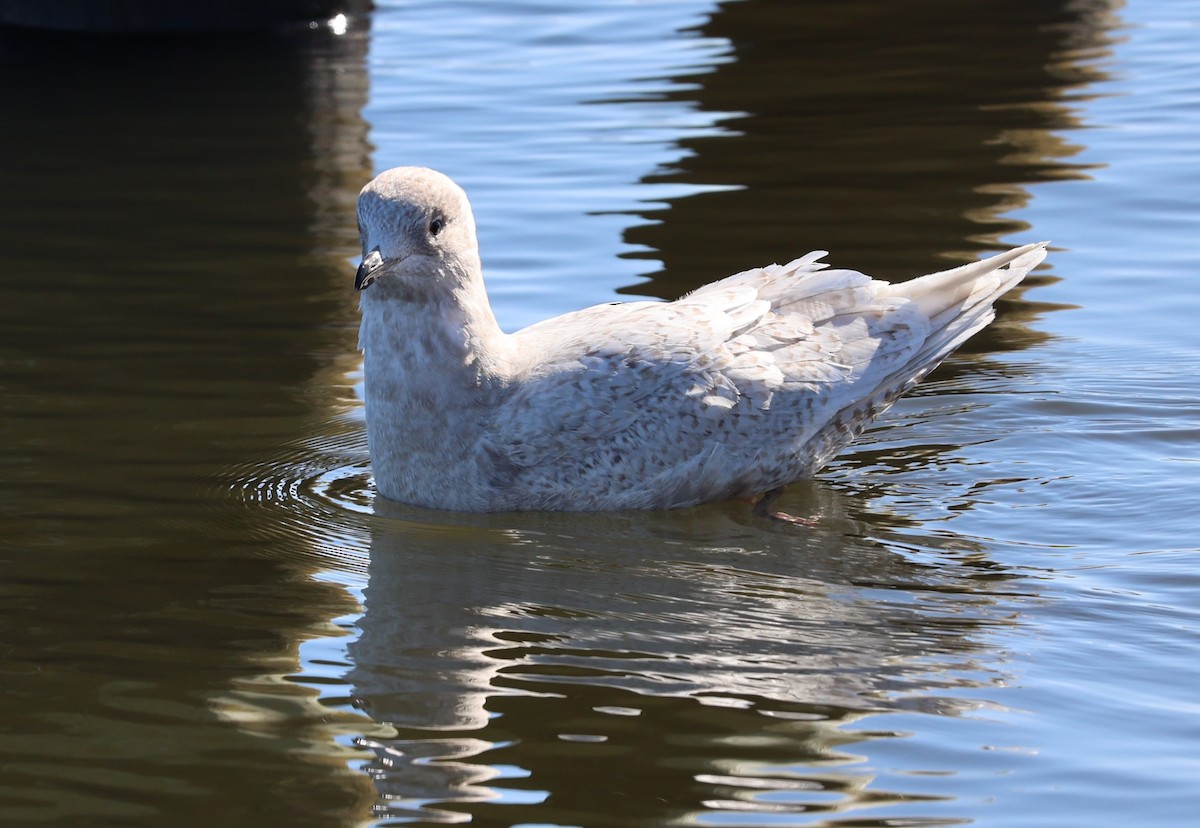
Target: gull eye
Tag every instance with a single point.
(436, 226)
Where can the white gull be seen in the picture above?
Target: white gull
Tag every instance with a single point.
(734, 390)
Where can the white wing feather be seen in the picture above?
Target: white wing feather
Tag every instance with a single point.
(736, 389)
(744, 384)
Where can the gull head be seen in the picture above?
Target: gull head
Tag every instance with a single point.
(415, 223)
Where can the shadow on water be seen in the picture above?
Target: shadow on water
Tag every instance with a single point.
(167, 281)
(684, 663)
(886, 134)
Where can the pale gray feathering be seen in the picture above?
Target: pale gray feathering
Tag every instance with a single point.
(734, 390)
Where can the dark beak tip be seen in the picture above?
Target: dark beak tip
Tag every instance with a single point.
(366, 270)
(362, 279)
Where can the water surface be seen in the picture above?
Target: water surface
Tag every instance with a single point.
(206, 617)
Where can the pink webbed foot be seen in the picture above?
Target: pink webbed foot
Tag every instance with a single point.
(762, 508)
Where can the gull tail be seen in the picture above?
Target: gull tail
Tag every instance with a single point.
(952, 293)
(958, 304)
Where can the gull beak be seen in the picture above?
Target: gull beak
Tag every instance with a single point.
(368, 270)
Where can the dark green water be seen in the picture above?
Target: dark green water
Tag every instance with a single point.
(207, 619)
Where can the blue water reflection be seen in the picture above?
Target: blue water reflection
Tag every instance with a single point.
(550, 118)
(694, 667)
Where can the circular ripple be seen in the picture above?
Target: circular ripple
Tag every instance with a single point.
(311, 501)
(346, 487)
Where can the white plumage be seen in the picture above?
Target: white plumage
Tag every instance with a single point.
(734, 390)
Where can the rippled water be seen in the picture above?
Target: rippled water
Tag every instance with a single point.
(206, 617)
